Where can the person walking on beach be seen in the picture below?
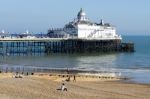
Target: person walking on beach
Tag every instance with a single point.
(74, 78)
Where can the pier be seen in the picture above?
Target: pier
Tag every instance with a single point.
(78, 36)
(47, 46)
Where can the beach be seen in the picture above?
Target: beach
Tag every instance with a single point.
(44, 86)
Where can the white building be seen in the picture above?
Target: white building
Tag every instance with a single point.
(83, 28)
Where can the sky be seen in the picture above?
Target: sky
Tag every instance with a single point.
(131, 17)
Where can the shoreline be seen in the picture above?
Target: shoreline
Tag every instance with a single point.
(59, 77)
(64, 76)
(127, 78)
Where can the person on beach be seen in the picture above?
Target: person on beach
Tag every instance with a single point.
(67, 70)
(74, 78)
(63, 87)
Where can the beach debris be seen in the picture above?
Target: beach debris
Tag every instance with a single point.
(17, 75)
(68, 79)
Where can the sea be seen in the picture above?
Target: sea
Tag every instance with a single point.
(134, 65)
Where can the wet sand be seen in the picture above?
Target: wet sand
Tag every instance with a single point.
(44, 86)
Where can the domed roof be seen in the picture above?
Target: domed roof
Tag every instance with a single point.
(81, 17)
(81, 13)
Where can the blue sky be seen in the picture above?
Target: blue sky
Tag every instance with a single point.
(131, 17)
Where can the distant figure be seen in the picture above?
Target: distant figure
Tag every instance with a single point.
(67, 70)
(74, 78)
(63, 87)
(119, 74)
(27, 73)
(6, 69)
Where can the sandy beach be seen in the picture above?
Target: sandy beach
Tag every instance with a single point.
(44, 86)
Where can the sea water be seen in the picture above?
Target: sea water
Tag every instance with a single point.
(134, 65)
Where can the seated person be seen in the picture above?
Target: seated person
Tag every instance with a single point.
(63, 87)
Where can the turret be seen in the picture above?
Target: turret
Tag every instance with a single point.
(82, 15)
(102, 22)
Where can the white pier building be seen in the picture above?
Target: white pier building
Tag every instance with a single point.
(83, 28)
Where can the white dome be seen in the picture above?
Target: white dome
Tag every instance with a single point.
(82, 13)
(82, 16)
